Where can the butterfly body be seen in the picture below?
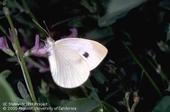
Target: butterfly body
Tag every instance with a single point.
(72, 59)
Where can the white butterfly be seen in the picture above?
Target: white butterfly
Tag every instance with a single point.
(72, 59)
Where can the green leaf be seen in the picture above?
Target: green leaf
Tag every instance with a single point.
(23, 91)
(168, 89)
(89, 5)
(116, 9)
(3, 30)
(105, 107)
(165, 4)
(6, 93)
(163, 46)
(44, 89)
(76, 22)
(5, 73)
(101, 33)
(99, 77)
(82, 105)
(168, 33)
(163, 105)
(9, 52)
(109, 107)
(25, 22)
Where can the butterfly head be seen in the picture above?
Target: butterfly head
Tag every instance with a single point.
(50, 42)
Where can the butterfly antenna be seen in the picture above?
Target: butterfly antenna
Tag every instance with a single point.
(39, 26)
(46, 27)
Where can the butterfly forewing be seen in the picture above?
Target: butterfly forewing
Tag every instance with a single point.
(91, 51)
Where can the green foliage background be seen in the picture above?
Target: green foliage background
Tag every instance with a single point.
(136, 33)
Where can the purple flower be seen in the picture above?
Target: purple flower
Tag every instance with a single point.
(74, 33)
(3, 43)
(4, 46)
(42, 66)
(39, 48)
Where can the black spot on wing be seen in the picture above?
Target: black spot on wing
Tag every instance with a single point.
(86, 54)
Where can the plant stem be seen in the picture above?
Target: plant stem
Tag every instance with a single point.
(162, 74)
(19, 54)
(27, 9)
(143, 68)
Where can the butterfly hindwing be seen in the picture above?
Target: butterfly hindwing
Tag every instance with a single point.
(68, 68)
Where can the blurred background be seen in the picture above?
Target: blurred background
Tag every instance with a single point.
(134, 77)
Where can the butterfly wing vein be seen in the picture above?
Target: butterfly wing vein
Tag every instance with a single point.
(69, 69)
